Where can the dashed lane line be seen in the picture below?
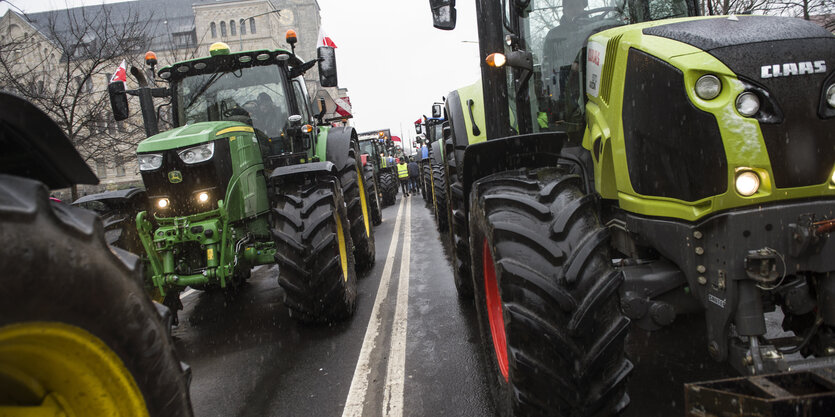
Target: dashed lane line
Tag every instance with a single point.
(396, 372)
(359, 384)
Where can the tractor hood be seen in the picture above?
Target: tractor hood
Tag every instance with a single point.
(188, 135)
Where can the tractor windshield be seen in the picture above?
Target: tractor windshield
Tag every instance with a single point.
(254, 95)
(555, 32)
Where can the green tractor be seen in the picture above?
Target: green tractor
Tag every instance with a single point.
(611, 168)
(379, 147)
(434, 175)
(251, 176)
(78, 335)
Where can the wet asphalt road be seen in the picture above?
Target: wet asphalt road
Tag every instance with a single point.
(249, 358)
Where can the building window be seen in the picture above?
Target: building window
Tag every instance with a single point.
(222, 29)
(101, 168)
(252, 25)
(185, 39)
(120, 166)
(243, 27)
(213, 27)
(232, 28)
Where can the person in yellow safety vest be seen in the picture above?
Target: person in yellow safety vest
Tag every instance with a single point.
(403, 176)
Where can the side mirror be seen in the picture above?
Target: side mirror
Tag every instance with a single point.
(418, 129)
(444, 15)
(436, 110)
(118, 100)
(327, 66)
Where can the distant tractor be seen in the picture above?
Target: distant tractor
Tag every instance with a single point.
(380, 149)
(607, 174)
(251, 176)
(433, 167)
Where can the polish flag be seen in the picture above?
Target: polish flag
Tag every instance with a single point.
(120, 74)
(325, 40)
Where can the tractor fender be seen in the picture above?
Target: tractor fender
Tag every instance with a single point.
(438, 152)
(301, 171)
(339, 142)
(36, 147)
(530, 151)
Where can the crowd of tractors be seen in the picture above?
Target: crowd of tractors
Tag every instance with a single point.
(618, 165)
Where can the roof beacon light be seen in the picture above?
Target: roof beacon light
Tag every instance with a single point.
(150, 58)
(291, 37)
(219, 48)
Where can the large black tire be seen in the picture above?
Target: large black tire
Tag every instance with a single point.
(546, 297)
(426, 182)
(388, 185)
(373, 192)
(308, 219)
(59, 277)
(458, 232)
(358, 202)
(439, 196)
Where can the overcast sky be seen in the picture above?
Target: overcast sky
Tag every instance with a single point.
(389, 57)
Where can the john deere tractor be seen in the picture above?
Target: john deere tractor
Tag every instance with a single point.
(612, 170)
(78, 335)
(379, 147)
(251, 176)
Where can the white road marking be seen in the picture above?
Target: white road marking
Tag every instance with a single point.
(359, 384)
(396, 373)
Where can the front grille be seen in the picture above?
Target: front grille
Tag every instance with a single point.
(673, 149)
(211, 176)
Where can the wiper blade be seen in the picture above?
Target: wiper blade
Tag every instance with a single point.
(203, 88)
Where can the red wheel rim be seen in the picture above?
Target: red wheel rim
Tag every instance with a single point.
(494, 310)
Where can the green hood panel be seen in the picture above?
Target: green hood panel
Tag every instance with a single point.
(187, 135)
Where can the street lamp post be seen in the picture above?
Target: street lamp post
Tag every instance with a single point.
(246, 19)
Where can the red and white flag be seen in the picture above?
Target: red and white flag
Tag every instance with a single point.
(121, 73)
(325, 40)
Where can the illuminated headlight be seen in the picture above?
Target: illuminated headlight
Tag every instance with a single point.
(830, 95)
(833, 178)
(198, 154)
(162, 203)
(747, 183)
(708, 87)
(747, 104)
(496, 60)
(149, 161)
(203, 197)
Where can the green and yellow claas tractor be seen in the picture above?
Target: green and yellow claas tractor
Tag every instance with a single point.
(250, 176)
(432, 166)
(616, 169)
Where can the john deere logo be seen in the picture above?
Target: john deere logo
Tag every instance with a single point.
(175, 177)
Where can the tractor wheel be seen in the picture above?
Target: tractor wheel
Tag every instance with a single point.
(546, 297)
(427, 183)
(459, 233)
(388, 185)
(313, 250)
(439, 196)
(372, 190)
(358, 201)
(77, 331)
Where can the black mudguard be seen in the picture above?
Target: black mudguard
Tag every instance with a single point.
(35, 147)
(437, 152)
(530, 151)
(339, 142)
(302, 171)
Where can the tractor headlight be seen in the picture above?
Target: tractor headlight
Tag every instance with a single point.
(747, 183)
(832, 179)
(708, 87)
(198, 154)
(202, 197)
(830, 95)
(163, 203)
(149, 161)
(747, 104)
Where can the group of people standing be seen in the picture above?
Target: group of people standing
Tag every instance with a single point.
(409, 176)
